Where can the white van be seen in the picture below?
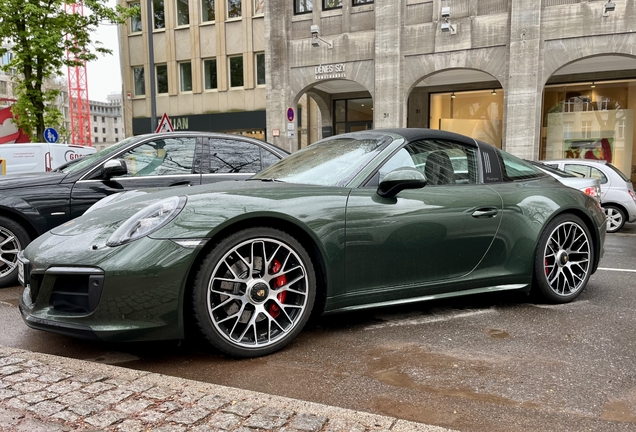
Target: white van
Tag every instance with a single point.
(39, 157)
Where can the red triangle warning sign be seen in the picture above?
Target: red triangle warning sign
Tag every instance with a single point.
(165, 125)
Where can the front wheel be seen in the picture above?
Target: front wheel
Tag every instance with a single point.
(615, 218)
(254, 292)
(13, 238)
(563, 259)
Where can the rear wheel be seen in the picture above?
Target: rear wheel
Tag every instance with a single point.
(13, 238)
(563, 260)
(254, 292)
(615, 218)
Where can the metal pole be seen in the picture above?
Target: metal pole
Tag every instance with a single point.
(151, 66)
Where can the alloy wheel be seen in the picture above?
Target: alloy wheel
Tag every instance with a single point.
(9, 249)
(614, 219)
(258, 293)
(567, 258)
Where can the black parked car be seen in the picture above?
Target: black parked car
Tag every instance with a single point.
(31, 204)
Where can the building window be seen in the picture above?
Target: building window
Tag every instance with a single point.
(95, 129)
(207, 10)
(3, 87)
(162, 79)
(303, 6)
(96, 139)
(331, 4)
(103, 119)
(103, 130)
(361, 2)
(135, 20)
(115, 121)
(260, 69)
(209, 72)
(116, 130)
(104, 139)
(140, 81)
(236, 71)
(233, 8)
(158, 14)
(185, 75)
(259, 7)
(94, 118)
(183, 13)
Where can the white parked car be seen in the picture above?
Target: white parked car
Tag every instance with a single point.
(590, 186)
(617, 191)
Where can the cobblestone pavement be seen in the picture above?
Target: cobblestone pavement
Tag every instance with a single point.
(40, 392)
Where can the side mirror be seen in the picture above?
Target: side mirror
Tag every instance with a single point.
(114, 168)
(399, 179)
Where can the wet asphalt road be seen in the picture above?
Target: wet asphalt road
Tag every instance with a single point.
(498, 362)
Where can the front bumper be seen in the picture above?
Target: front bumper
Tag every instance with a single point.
(127, 293)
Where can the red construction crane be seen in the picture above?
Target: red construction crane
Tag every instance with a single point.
(78, 93)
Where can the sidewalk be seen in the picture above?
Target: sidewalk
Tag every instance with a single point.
(43, 393)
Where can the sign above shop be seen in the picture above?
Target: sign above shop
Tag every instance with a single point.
(330, 71)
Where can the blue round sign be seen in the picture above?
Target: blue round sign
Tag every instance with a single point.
(290, 114)
(50, 135)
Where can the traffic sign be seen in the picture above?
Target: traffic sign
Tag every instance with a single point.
(165, 125)
(290, 114)
(50, 135)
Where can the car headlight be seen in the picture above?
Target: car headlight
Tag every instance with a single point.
(147, 220)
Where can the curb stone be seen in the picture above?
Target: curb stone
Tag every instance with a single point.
(41, 392)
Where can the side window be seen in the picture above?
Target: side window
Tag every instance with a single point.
(172, 156)
(234, 156)
(442, 162)
(586, 171)
(268, 158)
(518, 169)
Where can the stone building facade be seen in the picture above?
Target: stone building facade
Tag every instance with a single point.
(107, 121)
(542, 79)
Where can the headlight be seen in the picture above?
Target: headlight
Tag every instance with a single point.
(147, 220)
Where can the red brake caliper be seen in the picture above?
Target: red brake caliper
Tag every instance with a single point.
(278, 282)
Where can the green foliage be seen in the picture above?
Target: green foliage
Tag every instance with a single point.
(39, 33)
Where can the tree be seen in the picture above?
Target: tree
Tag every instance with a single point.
(39, 33)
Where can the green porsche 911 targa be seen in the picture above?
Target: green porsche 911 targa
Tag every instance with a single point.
(359, 220)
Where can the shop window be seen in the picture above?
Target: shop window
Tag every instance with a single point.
(162, 79)
(234, 9)
(140, 81)
(209, 74)
(183, 13)
(260, 69)
(478, 114)
(135, 20)
(207, 10)
(303, 6)
(331, 4)
(259, 7)
(185, 76)
(236, 71)
(159, 17)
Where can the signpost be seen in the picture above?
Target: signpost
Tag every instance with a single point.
(51, 135)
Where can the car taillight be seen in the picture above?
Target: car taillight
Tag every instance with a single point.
(593, 191)
(632, 194)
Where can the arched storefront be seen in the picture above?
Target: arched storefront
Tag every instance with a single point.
(588, 112)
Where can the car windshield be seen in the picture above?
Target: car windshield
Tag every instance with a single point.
(332, 162)
(81, 163)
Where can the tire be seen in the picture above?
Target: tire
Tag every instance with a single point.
(563, 259)
(615, 218)
(13, 239)
(254, 292)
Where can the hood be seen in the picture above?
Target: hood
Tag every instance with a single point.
(212, 203)
(14, 181)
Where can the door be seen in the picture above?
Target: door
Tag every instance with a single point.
(438, 232)
(155, 163)
(589, 172)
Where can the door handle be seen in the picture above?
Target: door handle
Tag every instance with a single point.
(485, 212)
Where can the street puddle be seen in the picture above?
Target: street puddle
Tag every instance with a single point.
(113, 358)
(498, 334)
